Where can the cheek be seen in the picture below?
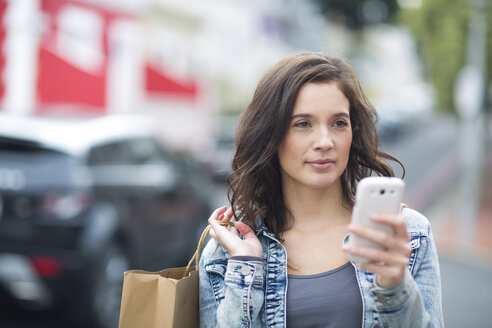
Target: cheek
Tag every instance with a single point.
(281, 154)
(286, 151)
(347, 144)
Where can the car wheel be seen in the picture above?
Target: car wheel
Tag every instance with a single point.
(106, 299)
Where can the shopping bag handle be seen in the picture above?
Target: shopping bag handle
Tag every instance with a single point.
(196, 256)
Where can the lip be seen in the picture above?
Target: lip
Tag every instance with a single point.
(321, 164)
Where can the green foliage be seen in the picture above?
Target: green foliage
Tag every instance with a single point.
(441, 30)
(489, 57)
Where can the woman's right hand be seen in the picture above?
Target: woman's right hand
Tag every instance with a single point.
(229, 238)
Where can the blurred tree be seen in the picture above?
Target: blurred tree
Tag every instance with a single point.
(489, 60)
(357, 13)
(441, 29)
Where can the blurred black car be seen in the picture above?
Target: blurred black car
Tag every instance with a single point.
(83, 201)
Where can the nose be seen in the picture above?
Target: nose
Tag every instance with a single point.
(324, 139)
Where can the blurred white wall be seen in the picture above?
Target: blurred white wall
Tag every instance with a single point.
(20, 55)
(220, 47)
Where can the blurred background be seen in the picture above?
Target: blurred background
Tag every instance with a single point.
(117, 124)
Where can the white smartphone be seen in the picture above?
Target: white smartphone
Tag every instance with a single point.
(374, 195)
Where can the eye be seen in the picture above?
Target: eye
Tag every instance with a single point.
(302, 124)
(341, 124)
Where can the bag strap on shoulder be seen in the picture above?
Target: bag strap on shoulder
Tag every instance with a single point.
(196, 257)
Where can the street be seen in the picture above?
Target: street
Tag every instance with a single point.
(13, 317)
(466, 283)
(466, 292)
(431, 157)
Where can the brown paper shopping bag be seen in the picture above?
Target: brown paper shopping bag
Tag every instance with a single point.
(164, 299)
(159, 299)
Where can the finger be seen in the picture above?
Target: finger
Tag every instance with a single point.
(245, 230)
(386, 277)
(381, 270)
(222, 235)
(233, 230)
(228, 214)
(378, 256)
(398, 244)
(213, 235)
(218, 212)
(375, 235)
(216, 227)
(216, 215)
(395, 221)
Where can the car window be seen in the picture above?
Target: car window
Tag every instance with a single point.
(128, 152)
(26, 164)
(110, 154)
(146, 151)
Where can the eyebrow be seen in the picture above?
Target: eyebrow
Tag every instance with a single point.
(336, 115)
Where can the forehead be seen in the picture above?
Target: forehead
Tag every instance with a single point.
(317, 96)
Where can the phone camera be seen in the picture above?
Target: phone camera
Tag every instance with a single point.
(382, 191)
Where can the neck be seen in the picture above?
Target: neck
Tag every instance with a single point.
(312, 209)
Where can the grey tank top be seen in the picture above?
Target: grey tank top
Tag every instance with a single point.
(329, 299)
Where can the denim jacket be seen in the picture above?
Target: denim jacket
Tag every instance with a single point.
(237, 293)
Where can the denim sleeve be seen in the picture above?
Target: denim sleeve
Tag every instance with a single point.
(243, 295)
(231, 295)
(416, 301)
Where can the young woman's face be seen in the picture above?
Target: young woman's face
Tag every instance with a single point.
(315, 150)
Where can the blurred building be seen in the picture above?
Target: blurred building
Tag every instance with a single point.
(184, 62)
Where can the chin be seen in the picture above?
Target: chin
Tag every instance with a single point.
(324, 184)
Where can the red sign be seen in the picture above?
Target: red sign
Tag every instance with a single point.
(158, 83)
(73, 58)
(73, 55)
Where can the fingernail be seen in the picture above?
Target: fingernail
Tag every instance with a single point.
(353, 228)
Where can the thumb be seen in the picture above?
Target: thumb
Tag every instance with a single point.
(245, 230)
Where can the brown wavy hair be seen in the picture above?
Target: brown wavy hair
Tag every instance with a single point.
(255, 185)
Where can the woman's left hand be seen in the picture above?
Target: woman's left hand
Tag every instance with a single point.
(389, 264)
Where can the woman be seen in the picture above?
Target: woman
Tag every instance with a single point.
(306, 139)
